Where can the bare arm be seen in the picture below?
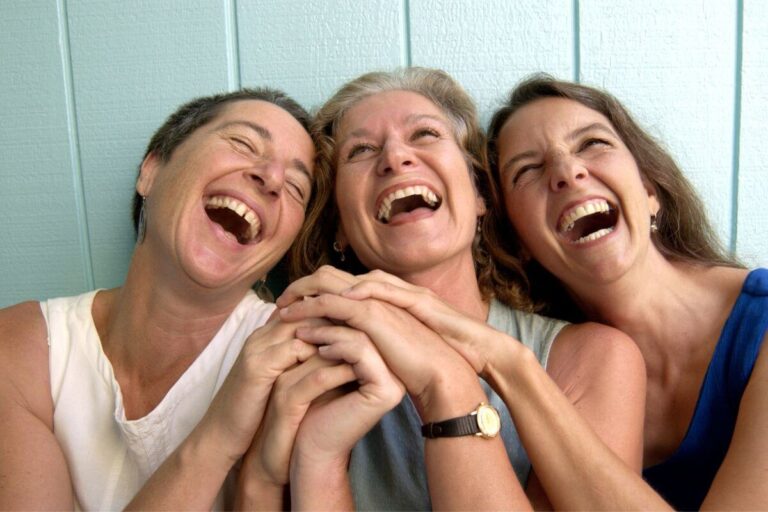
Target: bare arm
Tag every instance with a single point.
(742, 481)
(442, 386)
(33, 471)
(581, 424)
(263, 477)
(193, 475)
(337, 420)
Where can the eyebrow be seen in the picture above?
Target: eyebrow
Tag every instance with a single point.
(260, 130)
(410, 119)
(575, 134)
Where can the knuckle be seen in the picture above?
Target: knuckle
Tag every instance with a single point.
(377, 273)
(325, 270)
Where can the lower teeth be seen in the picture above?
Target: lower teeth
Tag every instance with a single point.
(594, 236)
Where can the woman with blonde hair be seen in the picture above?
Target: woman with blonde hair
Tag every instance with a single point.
(413, 201)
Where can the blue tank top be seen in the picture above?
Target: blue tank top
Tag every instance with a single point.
(685, 478)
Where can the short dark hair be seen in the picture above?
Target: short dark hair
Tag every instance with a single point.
(684, 232)
(201, 111)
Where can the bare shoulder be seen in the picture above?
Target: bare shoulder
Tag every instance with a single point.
(24, 359)
(596, 349)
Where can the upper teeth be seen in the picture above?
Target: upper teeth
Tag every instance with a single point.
(385, 209)
(239, 208)
(569, 219)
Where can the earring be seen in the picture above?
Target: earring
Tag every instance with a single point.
(654, 226)
(141, 230)
(339, 250)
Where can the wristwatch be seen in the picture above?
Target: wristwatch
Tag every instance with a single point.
(482, 422)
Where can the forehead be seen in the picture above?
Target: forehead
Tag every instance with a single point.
(387, 107)
(549, 116)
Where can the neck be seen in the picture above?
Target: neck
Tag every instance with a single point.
(673, 311)
(455, 283)
(157, 321)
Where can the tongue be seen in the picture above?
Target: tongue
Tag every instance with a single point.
(414, 214)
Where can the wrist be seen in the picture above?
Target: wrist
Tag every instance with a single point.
(448, 395)
(254, 492)
(202, 449)
(506, 372)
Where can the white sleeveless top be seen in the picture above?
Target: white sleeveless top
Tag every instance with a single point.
(109, 457)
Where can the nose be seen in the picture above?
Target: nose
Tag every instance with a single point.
(269, 177)
(566, 171)
(395, 157)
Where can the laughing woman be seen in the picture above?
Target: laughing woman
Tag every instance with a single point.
(107, 397)
(413, 198)
(608, 220)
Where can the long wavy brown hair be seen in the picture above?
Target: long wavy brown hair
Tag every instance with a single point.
(684, 232)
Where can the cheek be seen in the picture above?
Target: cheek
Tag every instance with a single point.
(525, 216)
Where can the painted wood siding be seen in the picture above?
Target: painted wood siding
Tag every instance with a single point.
(84, 83)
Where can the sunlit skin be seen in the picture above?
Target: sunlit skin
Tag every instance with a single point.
(555, 154)
(253, 151)
(390, 140)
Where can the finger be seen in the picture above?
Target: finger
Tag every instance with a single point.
(326, 279)
(293, 375)
(287, 408)
(264, 365)
(354, 347)
(420, 302)
(351, 346)
(277, 331)
(326, 305)
(381, 276)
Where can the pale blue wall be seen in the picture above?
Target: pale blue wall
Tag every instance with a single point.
(83, 83)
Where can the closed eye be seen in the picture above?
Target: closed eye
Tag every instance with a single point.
(522, 171)
(296, 191)
(359, 149)
(593, 142)
(422, 133)
(243, 144)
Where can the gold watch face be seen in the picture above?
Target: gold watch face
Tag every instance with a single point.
(488, 420)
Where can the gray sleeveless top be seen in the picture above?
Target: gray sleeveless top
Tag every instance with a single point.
(387, 468)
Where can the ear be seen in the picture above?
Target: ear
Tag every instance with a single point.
(653, 201)
(480, 208)
(147, 173)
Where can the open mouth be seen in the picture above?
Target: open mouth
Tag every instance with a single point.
(235, 217)
(407, 200)
(588, 221)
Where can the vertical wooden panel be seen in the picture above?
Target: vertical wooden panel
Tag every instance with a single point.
(672, 64)
(752, 241)
(40, 249)
(308, 49)
(133, 63)
(489, 45)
